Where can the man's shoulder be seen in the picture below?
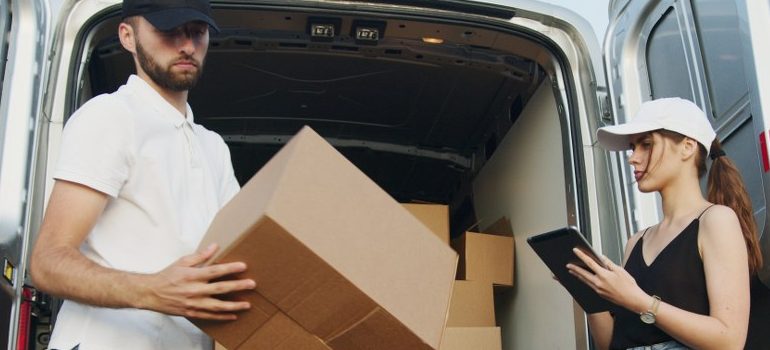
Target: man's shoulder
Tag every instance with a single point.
(108, 105)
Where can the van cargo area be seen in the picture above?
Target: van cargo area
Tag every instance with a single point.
(440, 107)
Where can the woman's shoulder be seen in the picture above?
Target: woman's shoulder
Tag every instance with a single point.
(636, 237)
(717, 215)
(631, 243)
(717, 220)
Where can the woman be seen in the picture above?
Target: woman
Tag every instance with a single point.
(685, 281)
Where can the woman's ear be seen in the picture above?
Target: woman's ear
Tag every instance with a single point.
(689, 148)
(127, 37)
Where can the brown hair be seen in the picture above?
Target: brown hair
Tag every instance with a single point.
(726, 187)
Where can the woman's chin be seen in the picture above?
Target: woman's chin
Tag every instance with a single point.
(645, 188)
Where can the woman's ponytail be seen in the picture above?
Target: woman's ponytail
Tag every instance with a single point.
(726, 187)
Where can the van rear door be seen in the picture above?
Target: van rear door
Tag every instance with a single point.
(471, 97)
(23, 32)
(700, 50)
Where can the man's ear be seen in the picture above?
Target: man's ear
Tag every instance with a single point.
(127, 37)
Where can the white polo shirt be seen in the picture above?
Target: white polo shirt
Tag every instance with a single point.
(166, 177)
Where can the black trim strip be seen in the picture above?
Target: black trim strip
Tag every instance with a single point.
(458, 6)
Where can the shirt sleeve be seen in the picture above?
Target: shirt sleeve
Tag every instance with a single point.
(96, 146)
(229, 186)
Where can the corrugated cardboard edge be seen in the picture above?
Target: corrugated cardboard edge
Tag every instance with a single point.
(340, 332)
(448, 304)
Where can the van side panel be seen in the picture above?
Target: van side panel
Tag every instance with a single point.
(524, 180)
(24, 26)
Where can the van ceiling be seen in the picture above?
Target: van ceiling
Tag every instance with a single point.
(418, 118)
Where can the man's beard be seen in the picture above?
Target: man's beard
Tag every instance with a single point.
(165, 78)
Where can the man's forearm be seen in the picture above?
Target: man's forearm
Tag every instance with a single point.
(66, 273)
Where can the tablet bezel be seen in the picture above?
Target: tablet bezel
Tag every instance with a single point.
(555, 249)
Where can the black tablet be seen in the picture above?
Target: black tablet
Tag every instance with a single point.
(555, 249)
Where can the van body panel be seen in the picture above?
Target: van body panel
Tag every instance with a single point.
(24, 26)
(756, 39)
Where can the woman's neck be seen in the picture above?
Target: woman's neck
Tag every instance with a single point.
(680, 199)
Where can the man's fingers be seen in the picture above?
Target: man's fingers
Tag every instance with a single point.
(199, 257)
(224, 287)
(212, 308)
(206, 315)
(221, 270)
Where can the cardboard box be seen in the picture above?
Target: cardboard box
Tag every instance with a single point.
(472, 338)
(472, 305)
(339, 264)
(435, 216)
(485, 258)
(218, 346)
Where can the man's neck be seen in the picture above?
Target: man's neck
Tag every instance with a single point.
(178, 99)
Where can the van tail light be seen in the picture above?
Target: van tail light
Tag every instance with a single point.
(25, 319)
(763, 150)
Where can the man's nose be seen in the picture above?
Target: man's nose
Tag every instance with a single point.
(186, 43)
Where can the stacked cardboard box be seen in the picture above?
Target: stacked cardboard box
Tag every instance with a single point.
(485, 260)
(339, 264)
(485, 257)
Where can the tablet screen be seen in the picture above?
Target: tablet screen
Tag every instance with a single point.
(555, 249)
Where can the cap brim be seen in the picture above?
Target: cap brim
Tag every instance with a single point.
(615, 137)
(169, 19)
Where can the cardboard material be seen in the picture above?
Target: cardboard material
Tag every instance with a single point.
(485, 258)
(472, 305)
(472, 338)
(434, 216)
(338, 262)
(218, 346)
(501, 227)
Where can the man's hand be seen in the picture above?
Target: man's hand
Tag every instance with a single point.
(185, 289)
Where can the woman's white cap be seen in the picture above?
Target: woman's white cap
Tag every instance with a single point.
(674, 114)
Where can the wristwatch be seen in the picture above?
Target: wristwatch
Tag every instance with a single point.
(648, 316)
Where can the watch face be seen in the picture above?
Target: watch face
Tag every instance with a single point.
(647, 317)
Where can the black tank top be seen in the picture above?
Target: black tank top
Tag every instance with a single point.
(676, 276)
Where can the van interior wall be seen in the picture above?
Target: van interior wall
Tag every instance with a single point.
(524, 180)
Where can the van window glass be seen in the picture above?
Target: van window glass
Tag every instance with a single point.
(667, 60)
(717, 25)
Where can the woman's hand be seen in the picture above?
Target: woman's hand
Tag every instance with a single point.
(611, 282)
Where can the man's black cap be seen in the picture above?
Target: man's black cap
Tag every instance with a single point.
(169, 14)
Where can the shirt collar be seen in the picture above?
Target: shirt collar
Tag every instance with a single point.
(153, 98)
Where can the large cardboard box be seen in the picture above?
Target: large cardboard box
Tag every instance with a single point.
(434, 216)
(472, 305)
(472, 338)
(339, 264)
(485, 258)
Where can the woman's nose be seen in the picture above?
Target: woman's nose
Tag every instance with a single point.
(633, 157)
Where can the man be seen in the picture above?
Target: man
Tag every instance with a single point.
(136, 186)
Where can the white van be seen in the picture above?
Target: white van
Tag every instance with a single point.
(490, 107)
